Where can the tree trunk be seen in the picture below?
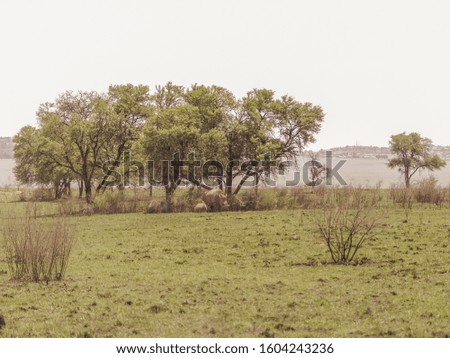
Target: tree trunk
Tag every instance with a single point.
(229, 182)
(170, 189)
(407, 178)
(80, 189)
(58, 192)
(116, 163)
(67, 188)
(244, 178)
(88, 191)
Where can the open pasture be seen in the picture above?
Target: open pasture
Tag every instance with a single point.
(237, 274)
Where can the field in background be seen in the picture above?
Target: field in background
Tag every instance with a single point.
(356, 171)
(6, 172)
(371, 172)
(236, 274)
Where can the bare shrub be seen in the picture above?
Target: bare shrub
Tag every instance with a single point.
(308, 197)
(157, 206)
(180, 205)
(193, 196)
(400, 194)
(349, 217)
(235, 203)
(73, 206)
(110, 202)
(263, 199)
(404, 197)
(429, 191)
(20, 195)
(250, 200)
(37, 250)
(283, 199)
(303, 198)
(41, 194)
(121, 201)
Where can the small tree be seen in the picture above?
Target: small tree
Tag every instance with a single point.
(316, 170)
(413, 153)
(349, 218)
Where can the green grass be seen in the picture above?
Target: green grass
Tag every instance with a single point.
(249, 274)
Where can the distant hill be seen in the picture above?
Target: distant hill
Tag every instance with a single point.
(357, 151)
(349, 151)
(6, 148)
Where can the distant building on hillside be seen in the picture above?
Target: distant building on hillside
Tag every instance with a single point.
(371, 152)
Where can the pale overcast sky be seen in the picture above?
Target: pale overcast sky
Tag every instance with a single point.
(376, 67)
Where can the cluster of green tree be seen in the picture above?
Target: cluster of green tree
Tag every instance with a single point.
(79, 132)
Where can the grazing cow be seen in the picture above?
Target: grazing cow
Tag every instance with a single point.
(216, 200)
(201, 208)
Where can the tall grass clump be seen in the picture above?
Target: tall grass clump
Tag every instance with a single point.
(73, 207)
(348, 219)
(110, 202)
(37, 249)
(429, 191)
(114, 201)
(404, 197)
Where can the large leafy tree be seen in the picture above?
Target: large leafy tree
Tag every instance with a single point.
(216, 108)
(130, 108)
(83, 131)
(172, 132)
(33, 166)
(77, 129)
(255, 130)
(26, 147)
(187, 124)
(275, 129)
(412, 154)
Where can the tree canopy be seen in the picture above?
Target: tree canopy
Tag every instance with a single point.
(412, 154)
(79, 132)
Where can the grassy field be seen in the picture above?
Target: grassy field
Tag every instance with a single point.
(237, 274)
